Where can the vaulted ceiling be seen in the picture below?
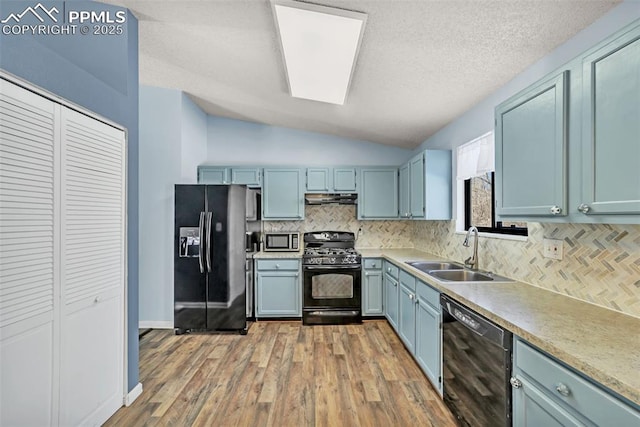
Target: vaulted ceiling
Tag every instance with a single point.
(422, 63)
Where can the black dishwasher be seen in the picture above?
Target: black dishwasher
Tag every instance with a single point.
(476, 367)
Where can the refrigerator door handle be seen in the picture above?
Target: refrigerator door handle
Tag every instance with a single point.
(209, 233)
(202, 242)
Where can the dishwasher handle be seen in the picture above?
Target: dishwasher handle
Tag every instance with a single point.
(475, 322)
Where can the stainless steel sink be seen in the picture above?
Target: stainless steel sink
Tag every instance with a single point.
(428, 266)
(466, 276)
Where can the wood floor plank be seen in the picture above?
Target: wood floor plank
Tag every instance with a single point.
(283, 374)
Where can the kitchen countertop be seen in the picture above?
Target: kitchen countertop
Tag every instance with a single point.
(602, 343)
(277, 255)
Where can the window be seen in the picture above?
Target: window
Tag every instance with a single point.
(476, 170)
(479, 203)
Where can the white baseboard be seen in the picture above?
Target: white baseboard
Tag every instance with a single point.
(152, 324)
(133, 395)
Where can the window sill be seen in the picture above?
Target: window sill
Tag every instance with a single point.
(497, 236)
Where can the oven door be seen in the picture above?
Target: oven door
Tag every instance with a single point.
(332, 294)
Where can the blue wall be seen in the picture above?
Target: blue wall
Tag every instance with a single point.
(160, 140)
(238, 142)
(173, 142)
(99, 73)
(194, 140)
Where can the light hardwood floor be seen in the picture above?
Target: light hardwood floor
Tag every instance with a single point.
(283, 374)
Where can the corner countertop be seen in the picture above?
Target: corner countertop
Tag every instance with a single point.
(602, 343)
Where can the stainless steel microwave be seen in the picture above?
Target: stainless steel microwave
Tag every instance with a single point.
(281, 241)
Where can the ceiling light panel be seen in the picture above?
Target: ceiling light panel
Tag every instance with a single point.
(320, 46)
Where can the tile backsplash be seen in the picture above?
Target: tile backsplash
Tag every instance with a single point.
(601, 262)
(374, 234)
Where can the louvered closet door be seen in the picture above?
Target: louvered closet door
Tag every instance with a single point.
(28, 292)
(92, 269)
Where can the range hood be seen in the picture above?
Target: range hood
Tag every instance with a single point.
(331, 199)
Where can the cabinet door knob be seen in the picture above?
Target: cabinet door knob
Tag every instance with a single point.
(96, 300)
(515, 383)
(366, 274)
(410, 296)
(277, 265)
(563, 389)
(555, 210)
(584, 208)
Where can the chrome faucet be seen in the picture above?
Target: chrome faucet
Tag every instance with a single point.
(472, 261)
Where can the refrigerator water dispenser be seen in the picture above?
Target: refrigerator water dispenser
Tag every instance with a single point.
(189, 242)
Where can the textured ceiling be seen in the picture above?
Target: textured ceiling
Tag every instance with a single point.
(422, 63)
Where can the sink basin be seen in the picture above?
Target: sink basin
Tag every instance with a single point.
(428, 266)
(466, 276)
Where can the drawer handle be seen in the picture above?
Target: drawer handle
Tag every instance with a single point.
(277, 265)
(563, 389)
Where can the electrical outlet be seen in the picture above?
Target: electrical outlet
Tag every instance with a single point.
(552, 248)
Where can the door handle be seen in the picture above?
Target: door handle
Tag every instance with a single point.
(202, 242)
(209, 233)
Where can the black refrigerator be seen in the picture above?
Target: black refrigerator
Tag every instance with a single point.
(209, 258)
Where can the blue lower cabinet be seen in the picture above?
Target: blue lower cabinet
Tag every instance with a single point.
(428, 341)
(278, 290)
(391, 300)
(407, 316)
(372, 288)
(548, 393)
(413, 309)
(533, 408)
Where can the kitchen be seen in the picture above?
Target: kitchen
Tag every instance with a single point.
(606, 251)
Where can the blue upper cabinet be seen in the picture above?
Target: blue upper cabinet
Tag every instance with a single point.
(212, 175)
(283, 194)
(404, 191)
(531, 150)
(416, 186)
(611, 128)
(431, 185)
(378, 195)
(344, 179)
(330, 180)
(425, 186)
(246, 176)
(250, 176)
(318, 180)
